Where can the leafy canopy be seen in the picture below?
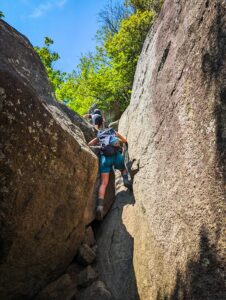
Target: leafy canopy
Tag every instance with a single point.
(145, 5)
(125, 46)
(106, 76)
(48, 58)
(2, 15)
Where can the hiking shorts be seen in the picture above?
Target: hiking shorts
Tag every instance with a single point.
(106, 163)
(97, 119)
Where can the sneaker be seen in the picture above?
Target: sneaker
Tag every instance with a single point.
(127, 183)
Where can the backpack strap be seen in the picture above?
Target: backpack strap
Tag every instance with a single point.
(108, 131)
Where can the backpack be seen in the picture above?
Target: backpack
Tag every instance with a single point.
(97, 119)
(108, 139)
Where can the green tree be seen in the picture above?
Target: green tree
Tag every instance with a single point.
(75, 90)
(125, 47)
(106, 76)
(88, 84)
(110, 19)
(143, 5)
(48, 59)
(2, 15)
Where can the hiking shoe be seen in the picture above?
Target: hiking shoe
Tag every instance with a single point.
(100, 210)
(127, 183)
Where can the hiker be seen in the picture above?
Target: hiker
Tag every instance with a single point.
(97, 119)
(110, 156)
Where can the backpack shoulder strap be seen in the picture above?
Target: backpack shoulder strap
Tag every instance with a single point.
(104, 132)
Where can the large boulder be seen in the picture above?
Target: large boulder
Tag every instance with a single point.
(47, 174)
(88, 130)
(64, 287)
(176, 128)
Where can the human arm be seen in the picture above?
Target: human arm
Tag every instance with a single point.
(121, 137)
(93, 142)
(87, 116)
(124, 141)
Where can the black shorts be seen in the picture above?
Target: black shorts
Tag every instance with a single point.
(97, 120)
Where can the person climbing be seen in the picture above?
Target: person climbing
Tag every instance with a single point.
(95, 115)
(110, 156)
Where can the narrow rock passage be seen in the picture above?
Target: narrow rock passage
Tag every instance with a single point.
(115, 248)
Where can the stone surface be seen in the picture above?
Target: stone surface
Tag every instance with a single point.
(87, 129)
(115, 248)
(86, 255)
(89, 237)
(47, 174)
(63, 288)
(74, 268)
(86, 277)
(97, 291)
(176, 129)
(90, 212)
(94, 248)
(114, 124)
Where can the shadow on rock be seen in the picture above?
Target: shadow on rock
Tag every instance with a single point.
(204, 278)
(115, 249)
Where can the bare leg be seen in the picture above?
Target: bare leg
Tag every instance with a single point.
(101, 194)
(103, 185)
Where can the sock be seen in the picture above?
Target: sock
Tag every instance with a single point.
(100, 202)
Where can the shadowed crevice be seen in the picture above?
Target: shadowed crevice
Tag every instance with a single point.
(115, 250)
(164, 57)
(203, 278)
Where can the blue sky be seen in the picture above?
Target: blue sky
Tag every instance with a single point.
(72, 25)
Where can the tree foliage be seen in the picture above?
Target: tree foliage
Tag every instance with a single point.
(2, 15)
(145, 5)
(76, 91)
(48, 59)
(125, 46)
(110, 19)
(106, 76)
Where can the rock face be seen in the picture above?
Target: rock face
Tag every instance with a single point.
(64, 287)
(96, 291)
(176, 131)
(87, 129)
(47, 174)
